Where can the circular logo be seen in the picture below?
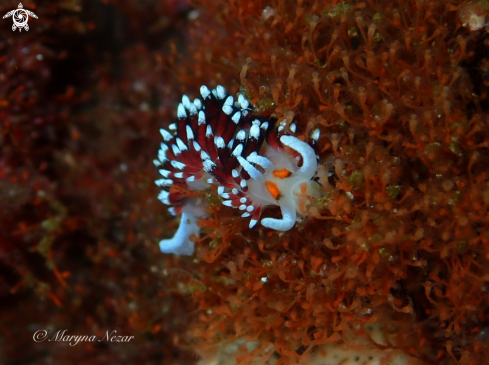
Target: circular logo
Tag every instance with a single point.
(20, 18)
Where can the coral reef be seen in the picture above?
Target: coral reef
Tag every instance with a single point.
(396, 240)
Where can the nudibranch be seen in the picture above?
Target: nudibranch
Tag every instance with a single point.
(254, 163)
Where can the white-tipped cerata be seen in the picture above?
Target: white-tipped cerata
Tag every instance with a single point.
(190, 133)
(198, 104)
(165, 134)
(236, 117)
(181, 111)
(186, 102)
(253, 223)
(181, 145)
(228, 105)
(201, 118)
(257, 159)
(243, 102)
(250, 169)
(204, 91)
(221, 92)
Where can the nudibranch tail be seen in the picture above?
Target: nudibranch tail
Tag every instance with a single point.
(219, 141)
(180, 243)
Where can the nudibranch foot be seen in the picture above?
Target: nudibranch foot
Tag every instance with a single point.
(181, 243)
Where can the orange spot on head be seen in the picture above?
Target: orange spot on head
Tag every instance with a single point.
(282, 173)
(273, 189)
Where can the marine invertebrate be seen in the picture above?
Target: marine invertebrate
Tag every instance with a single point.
(218, 141)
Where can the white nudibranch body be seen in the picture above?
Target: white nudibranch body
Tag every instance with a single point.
(218, 141)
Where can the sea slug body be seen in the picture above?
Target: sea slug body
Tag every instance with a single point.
(219, 141)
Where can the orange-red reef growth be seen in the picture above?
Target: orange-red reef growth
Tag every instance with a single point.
(399, 237)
